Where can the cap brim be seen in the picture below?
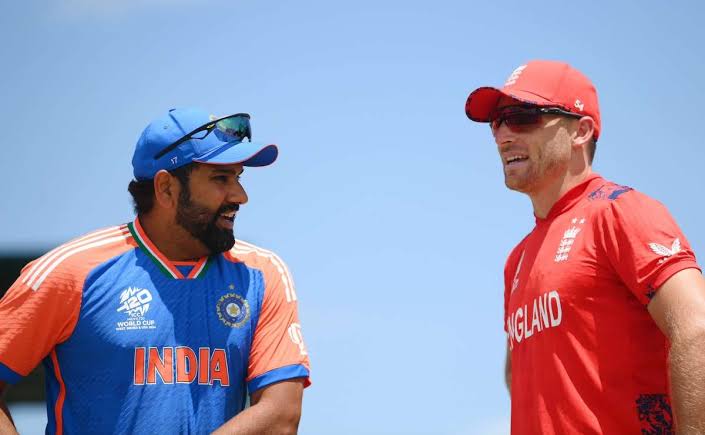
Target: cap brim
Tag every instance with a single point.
(247, 153)
(483, 101)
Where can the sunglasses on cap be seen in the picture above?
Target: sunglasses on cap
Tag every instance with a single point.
(520, 119)
(228, 129)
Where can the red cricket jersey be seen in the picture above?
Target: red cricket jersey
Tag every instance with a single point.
(586, 356)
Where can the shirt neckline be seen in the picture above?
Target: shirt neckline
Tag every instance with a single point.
(160, 260)
(570, 199)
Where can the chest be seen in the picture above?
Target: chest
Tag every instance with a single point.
(134, 309)
(557, 256)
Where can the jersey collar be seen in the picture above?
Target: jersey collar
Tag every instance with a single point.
(163, 263)
(572, 197)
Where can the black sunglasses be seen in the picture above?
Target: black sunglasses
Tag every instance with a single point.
(228, 129)
(521, 119)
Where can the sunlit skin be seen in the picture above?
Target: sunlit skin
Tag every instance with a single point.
(212, 187)
(552, 157)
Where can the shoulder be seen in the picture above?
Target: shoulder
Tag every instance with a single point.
(70, 263)
(616, 201)
(254, 256)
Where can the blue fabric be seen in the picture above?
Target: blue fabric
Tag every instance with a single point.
(134, 317)
(277, 375)
(177, 123)
(8, 376)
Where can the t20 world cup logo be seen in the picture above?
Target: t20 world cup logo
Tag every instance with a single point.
(135, 301)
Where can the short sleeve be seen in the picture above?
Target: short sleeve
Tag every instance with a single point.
(278, 350)
(643, 243)
(34, 319)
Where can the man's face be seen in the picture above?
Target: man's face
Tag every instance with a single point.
(532, 159)
(208, 203)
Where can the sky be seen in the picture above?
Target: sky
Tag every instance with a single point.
(387, 204)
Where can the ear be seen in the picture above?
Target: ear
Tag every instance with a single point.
(583, 134)
(166, 189)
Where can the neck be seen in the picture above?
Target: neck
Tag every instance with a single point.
(172, 239)
(545, 197)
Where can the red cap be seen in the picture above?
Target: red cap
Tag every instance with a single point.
(540, 83)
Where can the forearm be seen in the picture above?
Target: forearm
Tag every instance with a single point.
(687, 365)
(6, 425)
(262, 418)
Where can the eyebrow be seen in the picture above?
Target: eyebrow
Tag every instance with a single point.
(228, 171)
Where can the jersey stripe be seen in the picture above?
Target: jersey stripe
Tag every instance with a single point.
(59, 406)
(152, 251)
(75, 250)
(198, 268)
(46, 261)
(247, 248)
(46, 257)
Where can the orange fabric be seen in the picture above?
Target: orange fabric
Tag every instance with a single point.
(41, 309)
(277, 341)
(59, 405)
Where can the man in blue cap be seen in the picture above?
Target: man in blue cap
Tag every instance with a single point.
(165, 324)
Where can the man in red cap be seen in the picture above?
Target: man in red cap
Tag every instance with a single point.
(604, 301)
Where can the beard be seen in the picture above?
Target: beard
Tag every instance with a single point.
(550, 163)
(200, 222)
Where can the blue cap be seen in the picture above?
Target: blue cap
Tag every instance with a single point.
(168, 129)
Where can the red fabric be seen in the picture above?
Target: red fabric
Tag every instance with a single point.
(586, 355)
(541, 83)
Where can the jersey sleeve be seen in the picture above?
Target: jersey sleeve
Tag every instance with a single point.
(278, 350)
(643, 243)
(34, 319)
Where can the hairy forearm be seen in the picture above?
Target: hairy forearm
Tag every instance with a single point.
(6, 425)
(687, 364)
(261, 419)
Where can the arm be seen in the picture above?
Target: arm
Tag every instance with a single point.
(679, 310)
(276, 409)
(7, 427)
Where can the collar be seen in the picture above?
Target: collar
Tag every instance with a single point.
(572, 197)
(162, 262)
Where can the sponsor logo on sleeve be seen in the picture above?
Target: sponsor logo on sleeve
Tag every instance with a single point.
(135, 302)
(297, 337)
(664, 251)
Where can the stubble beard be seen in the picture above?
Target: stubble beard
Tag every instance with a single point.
(200, 222)
(550, 163)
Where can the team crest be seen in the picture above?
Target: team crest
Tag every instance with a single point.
(568, 239)
(233, 310)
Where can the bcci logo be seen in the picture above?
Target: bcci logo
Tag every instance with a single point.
(233, 310)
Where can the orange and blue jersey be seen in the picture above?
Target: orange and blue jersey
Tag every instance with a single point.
(134, 343)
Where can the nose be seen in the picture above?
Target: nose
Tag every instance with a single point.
(503, 136)
(237, 193)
